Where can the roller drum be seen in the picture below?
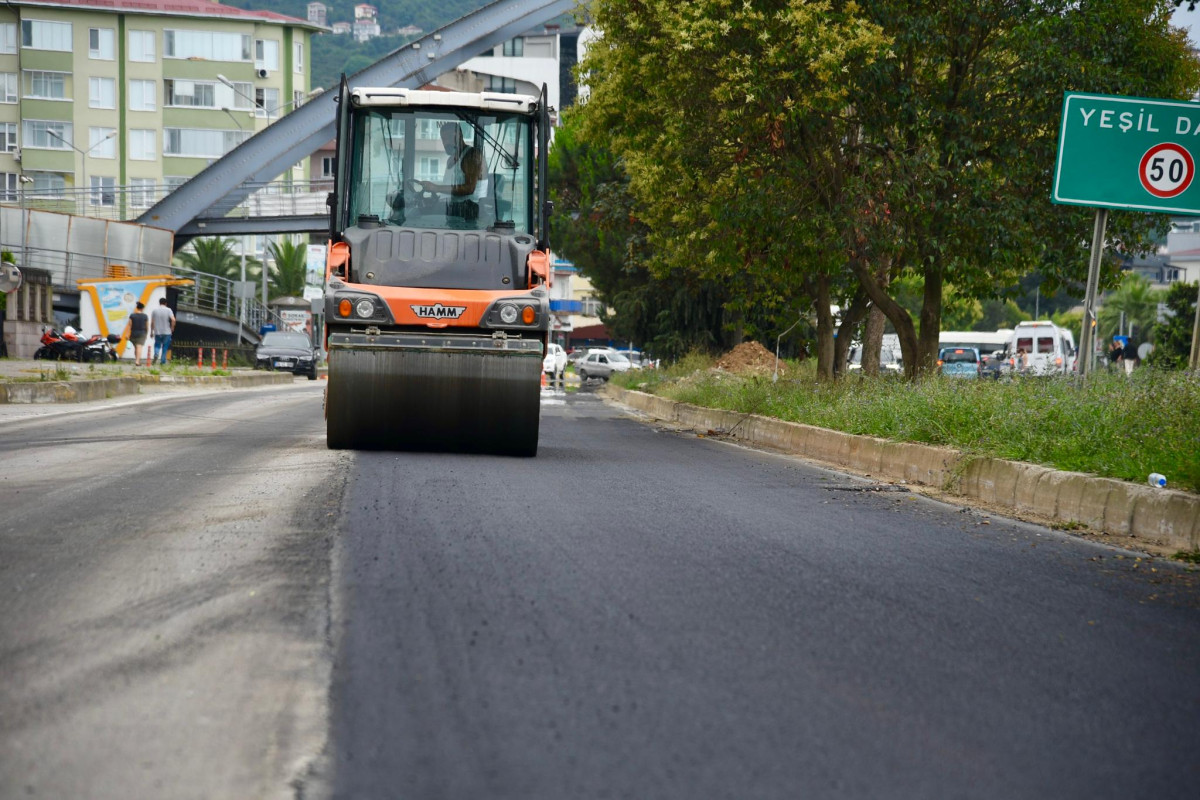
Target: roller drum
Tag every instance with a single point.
(392, 393)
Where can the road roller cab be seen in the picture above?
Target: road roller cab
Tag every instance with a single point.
(436, 301)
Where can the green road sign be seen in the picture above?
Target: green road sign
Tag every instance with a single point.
(1128, 152)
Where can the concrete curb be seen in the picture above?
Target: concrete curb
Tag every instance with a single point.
(88, 390)
(1162, 517)
(81, 391)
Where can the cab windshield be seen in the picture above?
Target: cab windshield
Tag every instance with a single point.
(442, 168)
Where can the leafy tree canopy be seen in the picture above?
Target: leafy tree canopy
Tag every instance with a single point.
(775, 144)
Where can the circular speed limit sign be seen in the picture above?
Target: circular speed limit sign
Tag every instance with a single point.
(1167, 170)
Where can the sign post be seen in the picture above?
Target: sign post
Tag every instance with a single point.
(1129, 153)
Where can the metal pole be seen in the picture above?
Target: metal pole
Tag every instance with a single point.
(242, 293)
(1087, 337)
(1194, 361)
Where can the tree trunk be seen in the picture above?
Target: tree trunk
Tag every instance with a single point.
(852, 316)
(824, 331)
(872, 341)
(895, 312)
(931, 318)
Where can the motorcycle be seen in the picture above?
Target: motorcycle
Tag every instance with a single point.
(70, 346)
(101, 348)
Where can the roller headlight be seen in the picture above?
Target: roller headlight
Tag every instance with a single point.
(365, 308)
(508, 313)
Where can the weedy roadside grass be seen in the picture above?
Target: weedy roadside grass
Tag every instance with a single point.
(1112, 425)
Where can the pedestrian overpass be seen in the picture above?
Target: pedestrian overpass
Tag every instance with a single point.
(235, 195)
(202, 206)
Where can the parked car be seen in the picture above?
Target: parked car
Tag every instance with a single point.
(601, 364)
(889, 361)
(995, 365)
(960, 362)
(287, 351)
(554, 364)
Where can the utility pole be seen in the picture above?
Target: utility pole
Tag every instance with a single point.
(1087, 338)
(1194, 361)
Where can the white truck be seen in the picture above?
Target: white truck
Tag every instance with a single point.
(1049, 349)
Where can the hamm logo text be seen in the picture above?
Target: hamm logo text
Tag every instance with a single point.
(439, 311)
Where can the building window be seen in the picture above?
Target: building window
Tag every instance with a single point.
(143, 95)
(102, 92)
(429, 169)
(267, 101)
(102, 142)
(103, 191)
(200, 143)
(243, 95)
(141, 46)
(8, 87)
(8, 187)
(592, 307)
(173, 182)
(266, 54)
(8, 137)
(52, 183)
(40, 34)
(514, 47)
(191, 94)
(8, 38)
(209, 45)
(298, 57)
(327, 166)
(42, 85)
(141, 192)
(101, 43)
(499, 84)
(49, 134)
(429, 128)
(142, 145)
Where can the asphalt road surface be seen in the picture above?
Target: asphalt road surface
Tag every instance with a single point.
(199, 600)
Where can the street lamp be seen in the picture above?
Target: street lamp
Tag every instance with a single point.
(83, 160)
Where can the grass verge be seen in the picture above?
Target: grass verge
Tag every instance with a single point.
(1113, 425)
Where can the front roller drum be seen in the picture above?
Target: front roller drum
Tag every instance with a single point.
(398, 398)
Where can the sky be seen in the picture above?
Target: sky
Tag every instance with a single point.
(1182, 18)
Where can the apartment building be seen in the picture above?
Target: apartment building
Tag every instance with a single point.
(522, 65)
(107, 104)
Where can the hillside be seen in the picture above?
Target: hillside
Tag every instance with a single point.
(333, 55)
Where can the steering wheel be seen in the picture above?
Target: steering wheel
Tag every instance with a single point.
(425, 200)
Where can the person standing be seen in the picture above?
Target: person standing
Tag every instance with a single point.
(1129, 357)
(1115, 354)
(136, 332)
(162, 325)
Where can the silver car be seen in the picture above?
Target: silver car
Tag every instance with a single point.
(601, 365)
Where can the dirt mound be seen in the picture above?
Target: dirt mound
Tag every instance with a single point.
(749, 357)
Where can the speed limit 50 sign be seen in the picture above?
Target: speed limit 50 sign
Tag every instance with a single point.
(1128, 152)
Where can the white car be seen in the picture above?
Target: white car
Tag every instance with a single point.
(554, 364)
(601, 364)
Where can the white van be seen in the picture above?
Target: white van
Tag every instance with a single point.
(1050, 349)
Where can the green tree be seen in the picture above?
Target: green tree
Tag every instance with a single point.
(775, 144)
(1173, 338)
(287, 277)
(722, 114)
(596, 227)
(962, 121)
(216, 256)
(1135, 302)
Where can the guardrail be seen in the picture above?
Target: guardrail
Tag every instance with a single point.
(208, 294)
(127, 203)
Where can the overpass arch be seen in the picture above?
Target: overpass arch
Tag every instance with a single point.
(230, 179)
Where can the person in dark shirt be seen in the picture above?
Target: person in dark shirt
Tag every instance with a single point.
(137, 330)
(1129, 357)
